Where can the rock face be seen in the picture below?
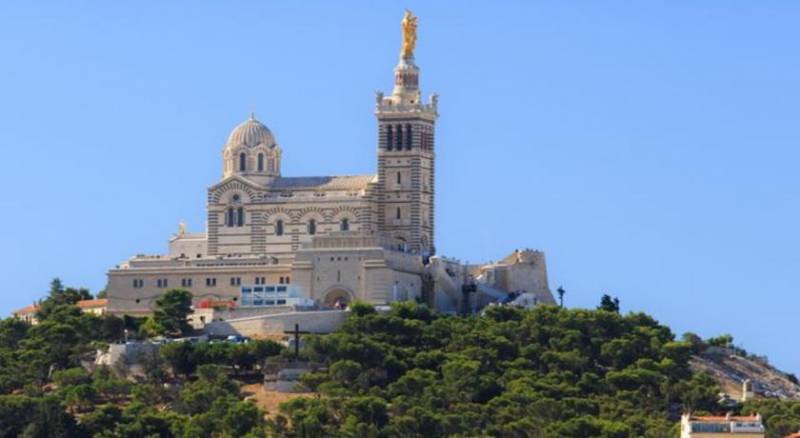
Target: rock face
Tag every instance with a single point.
(731, 370)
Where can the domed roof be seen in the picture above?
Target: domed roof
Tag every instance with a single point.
(251, 133)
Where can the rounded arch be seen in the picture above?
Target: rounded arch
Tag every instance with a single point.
(241, 161)
(337, 297)
(400, 241)
(346, 220)
(278, 223)
(312, 221)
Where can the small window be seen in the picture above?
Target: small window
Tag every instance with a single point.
(240, 217)
(279, 228)
(399, 178)
(389, 138)
(242, 162)
(312, 226)
(345, 225)
(211, 282)
(260, 162)
(398, 213)
(408, 137)
(236, 281)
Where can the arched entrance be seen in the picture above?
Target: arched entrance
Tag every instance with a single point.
(337, 299)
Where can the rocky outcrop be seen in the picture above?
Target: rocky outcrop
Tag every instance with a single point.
(731, 370)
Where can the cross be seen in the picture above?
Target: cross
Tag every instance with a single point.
(296, 332)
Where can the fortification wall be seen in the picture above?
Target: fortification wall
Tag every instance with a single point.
(321, 321)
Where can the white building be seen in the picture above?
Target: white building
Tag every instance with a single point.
(329, 239)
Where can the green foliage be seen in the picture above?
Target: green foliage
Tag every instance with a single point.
(609, 304)
(511, 372)
(725, 340)
(180, 356)
(361, 308)
(781, 418)
(172, 308)
(406, 372)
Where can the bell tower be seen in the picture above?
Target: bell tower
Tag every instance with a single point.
(406, 153)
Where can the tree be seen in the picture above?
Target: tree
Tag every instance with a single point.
(241, 418)
(609, 304)
(180, 356)
(60, 296)
(725, 341)
(172, 308)
(561, 293)
(79, 398)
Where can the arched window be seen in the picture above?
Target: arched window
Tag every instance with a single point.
(345, 225)
(229, 218)
(399, 143)
(398, 212)
(399, 178)
(242, 162)
(389, 138)
(240, 217)
(279, 228)
(408, 136)
(260, 162)
(312, 226)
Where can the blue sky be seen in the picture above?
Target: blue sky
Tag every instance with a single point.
(650, 148)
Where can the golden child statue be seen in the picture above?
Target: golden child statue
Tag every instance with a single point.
(409, 24)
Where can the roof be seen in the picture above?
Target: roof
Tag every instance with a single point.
(718, 418)
(88, 304)
(251, 133)
(346, 182)
(27, 310)
(83, 304)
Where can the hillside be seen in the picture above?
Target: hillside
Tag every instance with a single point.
(408, 371)
(730, 368)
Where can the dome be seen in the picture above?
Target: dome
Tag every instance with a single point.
(251, 133)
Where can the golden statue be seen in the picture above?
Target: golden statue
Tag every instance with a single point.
(409, 24)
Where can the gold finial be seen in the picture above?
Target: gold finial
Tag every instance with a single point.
(409, 25)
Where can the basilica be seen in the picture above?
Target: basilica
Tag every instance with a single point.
(275, 241)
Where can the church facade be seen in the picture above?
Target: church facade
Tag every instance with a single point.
(275, 240)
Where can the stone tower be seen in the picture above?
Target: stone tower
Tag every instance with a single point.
(406, 154)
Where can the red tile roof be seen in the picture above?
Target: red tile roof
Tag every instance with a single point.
(724, 418)
(27, 310)
(86, 304)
